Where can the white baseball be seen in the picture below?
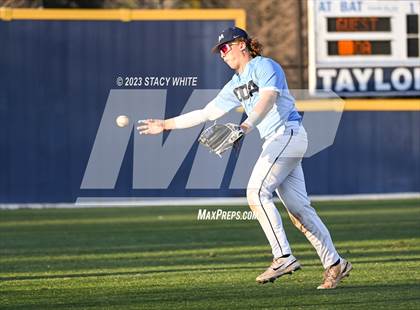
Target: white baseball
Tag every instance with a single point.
(122, 121)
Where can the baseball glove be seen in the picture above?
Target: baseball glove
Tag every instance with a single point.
(220, 138)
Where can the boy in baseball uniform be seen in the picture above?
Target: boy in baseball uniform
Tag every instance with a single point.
(259, 86)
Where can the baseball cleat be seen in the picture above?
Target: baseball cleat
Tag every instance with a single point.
(333, 275)
(278, 268)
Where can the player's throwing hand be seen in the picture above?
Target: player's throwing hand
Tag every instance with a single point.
(150, 126)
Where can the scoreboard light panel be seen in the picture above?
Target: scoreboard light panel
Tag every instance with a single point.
(368, 47)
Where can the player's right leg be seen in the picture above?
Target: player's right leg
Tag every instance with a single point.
(272, 167)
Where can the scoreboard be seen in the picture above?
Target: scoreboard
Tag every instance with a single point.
(364, 48)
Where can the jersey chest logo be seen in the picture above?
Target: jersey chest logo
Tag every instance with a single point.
(245, 91)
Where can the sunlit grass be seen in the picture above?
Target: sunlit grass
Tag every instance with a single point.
(164, 258)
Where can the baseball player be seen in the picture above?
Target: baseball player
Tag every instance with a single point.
(259, 85)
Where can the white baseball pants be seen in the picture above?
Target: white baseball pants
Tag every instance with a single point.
(279, 169)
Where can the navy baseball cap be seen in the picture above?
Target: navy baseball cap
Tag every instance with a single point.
(228, 35)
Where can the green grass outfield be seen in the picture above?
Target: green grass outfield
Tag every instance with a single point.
(164, 258)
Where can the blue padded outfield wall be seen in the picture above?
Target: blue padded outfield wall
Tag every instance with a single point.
(56, 77)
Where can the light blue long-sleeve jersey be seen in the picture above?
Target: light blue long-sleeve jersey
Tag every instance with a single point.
(243, 89)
